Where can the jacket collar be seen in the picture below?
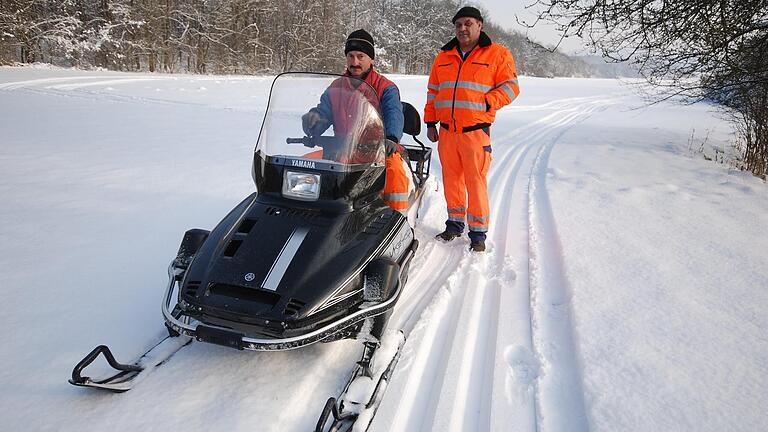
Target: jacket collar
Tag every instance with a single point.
(485, 41)
(370, 74)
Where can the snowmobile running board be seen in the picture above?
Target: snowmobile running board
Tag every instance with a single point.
(127, 374)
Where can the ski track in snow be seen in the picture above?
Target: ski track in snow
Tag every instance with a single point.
(75, 88)
(492, 340)
(45, 81)
(560, 399)
(458, 315)
(533, 382)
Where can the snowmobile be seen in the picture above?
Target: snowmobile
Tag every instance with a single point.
(314, 255)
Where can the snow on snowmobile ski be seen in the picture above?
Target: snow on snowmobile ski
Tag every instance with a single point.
(314, 255)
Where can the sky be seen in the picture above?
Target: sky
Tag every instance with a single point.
(506, 14)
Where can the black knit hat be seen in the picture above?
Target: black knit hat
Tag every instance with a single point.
(360, 40)
(467, 11)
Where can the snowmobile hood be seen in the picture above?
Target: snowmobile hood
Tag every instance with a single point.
(266, 263)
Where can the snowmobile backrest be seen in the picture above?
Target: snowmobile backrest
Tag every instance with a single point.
(412, 120)
(419, 157)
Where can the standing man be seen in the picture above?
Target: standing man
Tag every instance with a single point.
(360, 54)
(471, 78)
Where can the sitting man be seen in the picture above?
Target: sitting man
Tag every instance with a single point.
(360, 54)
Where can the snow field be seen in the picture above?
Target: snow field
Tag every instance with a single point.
(622, 288)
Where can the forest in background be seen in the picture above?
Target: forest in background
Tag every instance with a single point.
(248, 36)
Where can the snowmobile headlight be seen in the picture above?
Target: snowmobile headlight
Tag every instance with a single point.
(301, 186)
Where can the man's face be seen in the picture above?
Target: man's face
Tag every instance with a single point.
(468, 30)
(358, 63)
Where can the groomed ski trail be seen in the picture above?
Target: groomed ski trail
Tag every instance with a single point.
(496, 348)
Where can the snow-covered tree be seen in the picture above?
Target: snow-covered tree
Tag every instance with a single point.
(242, 36)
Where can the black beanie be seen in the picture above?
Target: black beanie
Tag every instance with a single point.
(360, 40)
(467, 11)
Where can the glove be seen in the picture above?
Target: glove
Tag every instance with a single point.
(390, 147)
(309, 121)
(432, 133)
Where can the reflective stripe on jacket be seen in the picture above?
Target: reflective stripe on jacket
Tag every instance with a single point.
(467, 93)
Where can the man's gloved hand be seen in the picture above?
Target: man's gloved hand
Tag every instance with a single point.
(390, 147)
(309, 121)
(432, 133)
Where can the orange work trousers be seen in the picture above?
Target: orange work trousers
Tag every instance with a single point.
(466, 160)
(396, 184)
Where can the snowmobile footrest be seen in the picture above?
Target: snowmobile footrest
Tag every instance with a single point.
(78, 379)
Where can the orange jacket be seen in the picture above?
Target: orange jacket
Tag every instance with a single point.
(467, 93)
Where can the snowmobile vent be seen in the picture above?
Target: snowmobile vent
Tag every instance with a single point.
(192, 287)
(245, 293)
(232, 247)
(293, 307)
(246, 226)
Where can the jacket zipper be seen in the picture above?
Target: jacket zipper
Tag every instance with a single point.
(453, 102)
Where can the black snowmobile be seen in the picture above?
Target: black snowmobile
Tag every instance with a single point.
(314, 255)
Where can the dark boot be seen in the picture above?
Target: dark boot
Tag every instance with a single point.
(477, 246)
(447, 235)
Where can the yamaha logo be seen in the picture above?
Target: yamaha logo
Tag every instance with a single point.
(303, 164)
(249, 277)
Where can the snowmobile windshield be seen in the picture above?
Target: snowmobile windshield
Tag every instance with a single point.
(329, 118)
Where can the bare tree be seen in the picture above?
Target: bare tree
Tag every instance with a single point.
(40, 29)
(696, 49)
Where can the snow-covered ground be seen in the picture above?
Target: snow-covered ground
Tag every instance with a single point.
(625, 287)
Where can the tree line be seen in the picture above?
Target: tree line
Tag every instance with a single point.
(245, 36)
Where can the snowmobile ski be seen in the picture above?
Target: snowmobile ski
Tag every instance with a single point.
(358, 402)
(127, 375)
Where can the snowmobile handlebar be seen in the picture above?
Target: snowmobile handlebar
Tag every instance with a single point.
(313, 141)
